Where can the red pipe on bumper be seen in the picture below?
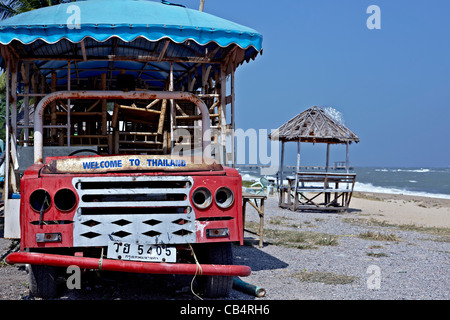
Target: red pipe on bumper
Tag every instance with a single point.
(126, 266)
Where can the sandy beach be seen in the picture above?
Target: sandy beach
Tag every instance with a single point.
(403, 209)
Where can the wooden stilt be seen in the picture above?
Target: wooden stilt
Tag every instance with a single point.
(297, 170)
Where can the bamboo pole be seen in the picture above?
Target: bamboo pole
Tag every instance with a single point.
(69, 77)
(26, 80)
(327, 164)
(296, 174)
(280, 187)
(53, 107)
(347, 158)
(7, 127)
(161, 117)
(327, 194)
(12, 164)
(172, 108)
(115, 126)
(233, 118)
(104, 106)
(223, 113)
(13, 93)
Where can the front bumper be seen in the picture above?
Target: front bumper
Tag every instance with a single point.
(127, 266)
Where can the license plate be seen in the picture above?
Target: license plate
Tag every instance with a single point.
(141, 252)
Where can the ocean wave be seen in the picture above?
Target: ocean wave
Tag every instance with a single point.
(404, 170)
(368, 187)
(413, 170)
(249, 177)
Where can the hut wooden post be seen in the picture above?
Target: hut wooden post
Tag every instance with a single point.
(327, 163)
(347, 158)
(280, 185)
(297, 170)
(327, 167)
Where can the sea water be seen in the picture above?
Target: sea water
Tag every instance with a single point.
(424, 182)
(427, 182)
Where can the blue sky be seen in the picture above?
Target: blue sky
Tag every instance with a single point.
(392, 85)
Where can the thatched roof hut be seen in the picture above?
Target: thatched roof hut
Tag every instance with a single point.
(316, 126)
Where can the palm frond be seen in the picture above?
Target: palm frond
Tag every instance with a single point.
(9, 8)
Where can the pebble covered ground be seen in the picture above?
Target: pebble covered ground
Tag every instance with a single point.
(306, 256)
(363, 261)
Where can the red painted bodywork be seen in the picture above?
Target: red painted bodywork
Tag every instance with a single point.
(33, 179)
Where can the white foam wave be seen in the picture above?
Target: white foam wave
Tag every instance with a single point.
(368, 187)
(248, 177)
(413, 170)
(404, 170)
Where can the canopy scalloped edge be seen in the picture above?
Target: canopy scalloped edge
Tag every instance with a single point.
(150, 20)
(100, 34)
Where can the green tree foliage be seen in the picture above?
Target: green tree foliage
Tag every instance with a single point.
(9, 8)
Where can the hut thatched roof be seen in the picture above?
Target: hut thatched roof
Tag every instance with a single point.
(314, 125)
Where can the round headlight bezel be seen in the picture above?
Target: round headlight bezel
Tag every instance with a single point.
(202, 197)
(224, 197)
(67, 193)
(40, 200)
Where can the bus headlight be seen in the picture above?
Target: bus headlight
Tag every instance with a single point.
(224, 197)
(65, 200)
(202, 197)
